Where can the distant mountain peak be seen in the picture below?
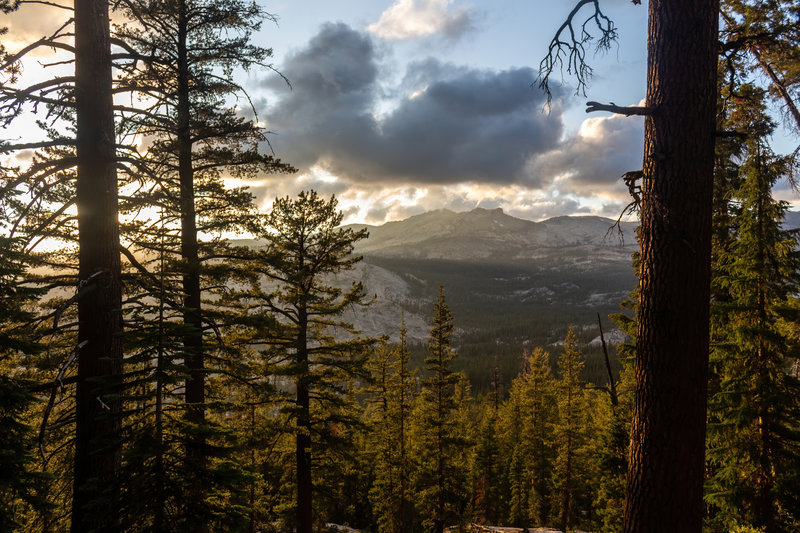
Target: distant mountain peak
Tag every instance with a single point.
(486, 235)
(498, 210)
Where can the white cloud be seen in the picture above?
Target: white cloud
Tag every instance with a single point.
(591, 162)
(409, 19)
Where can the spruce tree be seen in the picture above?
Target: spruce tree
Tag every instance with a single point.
(755, 413)
(183, 55)
(393, 394)
(437, 432)
(21, 488)
(570, 436)
(298, 311)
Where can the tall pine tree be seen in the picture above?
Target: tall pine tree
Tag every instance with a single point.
(754, 444)
(570, 434)
(299, 311)
(438, 439)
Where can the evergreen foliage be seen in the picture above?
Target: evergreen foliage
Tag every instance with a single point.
(488, 482)
(297, 310)
(247, 402)
(392, 399)
(438, 436)
(21, 488)
(181, 58)
(570, 434)
(527, 419)
(754, 444)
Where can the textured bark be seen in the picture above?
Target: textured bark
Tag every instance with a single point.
(97, 424)
(192, 317)
(665, 476)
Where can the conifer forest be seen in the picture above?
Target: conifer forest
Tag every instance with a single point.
(161, 373)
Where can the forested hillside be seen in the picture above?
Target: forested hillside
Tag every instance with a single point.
(175, 357)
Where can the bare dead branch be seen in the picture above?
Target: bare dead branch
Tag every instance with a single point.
(612, 387)
(47, 42)
(591, 107)
(36, 145)
(51, 4)
(570, 43)
(58, 382)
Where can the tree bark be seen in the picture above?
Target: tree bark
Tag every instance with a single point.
(665, 475)
(97, 423)
(192, 315)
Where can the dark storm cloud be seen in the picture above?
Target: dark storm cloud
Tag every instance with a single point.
(452, 124)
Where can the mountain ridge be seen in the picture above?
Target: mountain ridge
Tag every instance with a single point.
(489, 235)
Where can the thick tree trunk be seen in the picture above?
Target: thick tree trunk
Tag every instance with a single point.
(97, 424)
(665, 476)
(192, 318)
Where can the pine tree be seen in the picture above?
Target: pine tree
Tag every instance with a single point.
(527, 419)
(21, 488)
(760, 43)
(76, 166)
(393, 396)
(404, 392)
(437, 432)
(97, 423)
(464, 444)
(676, 197)
(608, 451)
(487, 471)
(383, 447)
(570, 436)
(182, 58)
(518, 484)
(297, 311)
(755, 413)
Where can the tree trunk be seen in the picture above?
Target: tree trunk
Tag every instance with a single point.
(401, 373)
(159, 514)
(192, 321)
(665, 476)
(440, 440)
(97, 424)
(304, 485)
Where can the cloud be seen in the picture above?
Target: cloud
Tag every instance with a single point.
(410, 19)
(450, 125)
(32, 22)
(450, 136)
(591, 162)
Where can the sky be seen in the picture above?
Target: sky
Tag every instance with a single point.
(403, 106)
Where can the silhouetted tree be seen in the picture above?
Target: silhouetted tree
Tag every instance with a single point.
(675, 239)
(299, 312)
